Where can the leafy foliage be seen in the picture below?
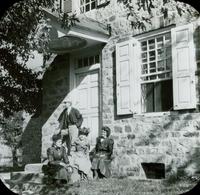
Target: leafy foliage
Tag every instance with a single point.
(24, 29)
(11, 130)
(139, 12)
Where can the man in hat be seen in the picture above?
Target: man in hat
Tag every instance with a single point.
(70, 121)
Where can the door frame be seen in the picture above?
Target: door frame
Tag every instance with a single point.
(94, 68)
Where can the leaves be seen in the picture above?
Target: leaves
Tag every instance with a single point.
(134, 11)
(11, 129)
(23, 29)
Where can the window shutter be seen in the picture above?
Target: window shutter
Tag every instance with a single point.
(183, 67)
(125, 77)
(67, 6)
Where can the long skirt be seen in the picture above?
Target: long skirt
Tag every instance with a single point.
(82, 162)
(103, 164)
(56, 172)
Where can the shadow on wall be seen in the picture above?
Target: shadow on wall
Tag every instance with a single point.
(55, 87)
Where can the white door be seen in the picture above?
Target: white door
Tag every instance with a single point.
(88, 102)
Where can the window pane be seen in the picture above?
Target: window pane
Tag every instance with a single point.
(91, 60)
(161, 76)
(153, 65)
(160, 42)
(144, 69)
(93, 5)
(152, 55)
(161, 66)
(151, 44)
(152, 77)
(144, 46)
(87, 1)
(80, 63)
(160, 53)
(85, 61)
(87, 8)
(167, 39)
(144, 57)
(97, 59)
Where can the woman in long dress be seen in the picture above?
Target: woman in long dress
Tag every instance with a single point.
(101, 158)
(81, 154)
(58, 168)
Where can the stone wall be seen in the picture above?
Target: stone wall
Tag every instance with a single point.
(171, 138)
(115, 15)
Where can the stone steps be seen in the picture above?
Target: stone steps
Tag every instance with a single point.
(21, 177)
(33, 168)
(5, 176)
(29, 181)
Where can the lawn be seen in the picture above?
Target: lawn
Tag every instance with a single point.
(123, 187)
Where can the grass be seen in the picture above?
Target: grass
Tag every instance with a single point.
(125, 187)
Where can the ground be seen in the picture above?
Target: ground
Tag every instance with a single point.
(115, 186)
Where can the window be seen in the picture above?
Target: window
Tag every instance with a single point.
(156, 74)
(87, 5)
(88, 61)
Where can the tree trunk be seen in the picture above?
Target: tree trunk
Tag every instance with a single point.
(14, 156)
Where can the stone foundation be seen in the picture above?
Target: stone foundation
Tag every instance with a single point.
(172, 140)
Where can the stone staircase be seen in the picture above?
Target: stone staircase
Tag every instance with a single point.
(29, 181)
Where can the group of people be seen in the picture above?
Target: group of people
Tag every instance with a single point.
(70, 152)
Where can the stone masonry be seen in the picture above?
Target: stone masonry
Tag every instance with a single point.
(171, 138)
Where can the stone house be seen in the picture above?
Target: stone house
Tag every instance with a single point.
(143, 84)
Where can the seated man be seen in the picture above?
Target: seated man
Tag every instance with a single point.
(57, 169)
(101, 159)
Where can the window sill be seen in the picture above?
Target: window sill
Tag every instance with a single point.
(152, 114)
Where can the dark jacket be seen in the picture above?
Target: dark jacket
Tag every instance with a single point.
(106, 146)
(74, 118)
(55, 156)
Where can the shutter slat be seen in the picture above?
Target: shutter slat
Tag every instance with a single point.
(183, 66)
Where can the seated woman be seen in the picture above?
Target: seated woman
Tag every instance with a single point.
(101, 159)
(81, 154)
(57, 169)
